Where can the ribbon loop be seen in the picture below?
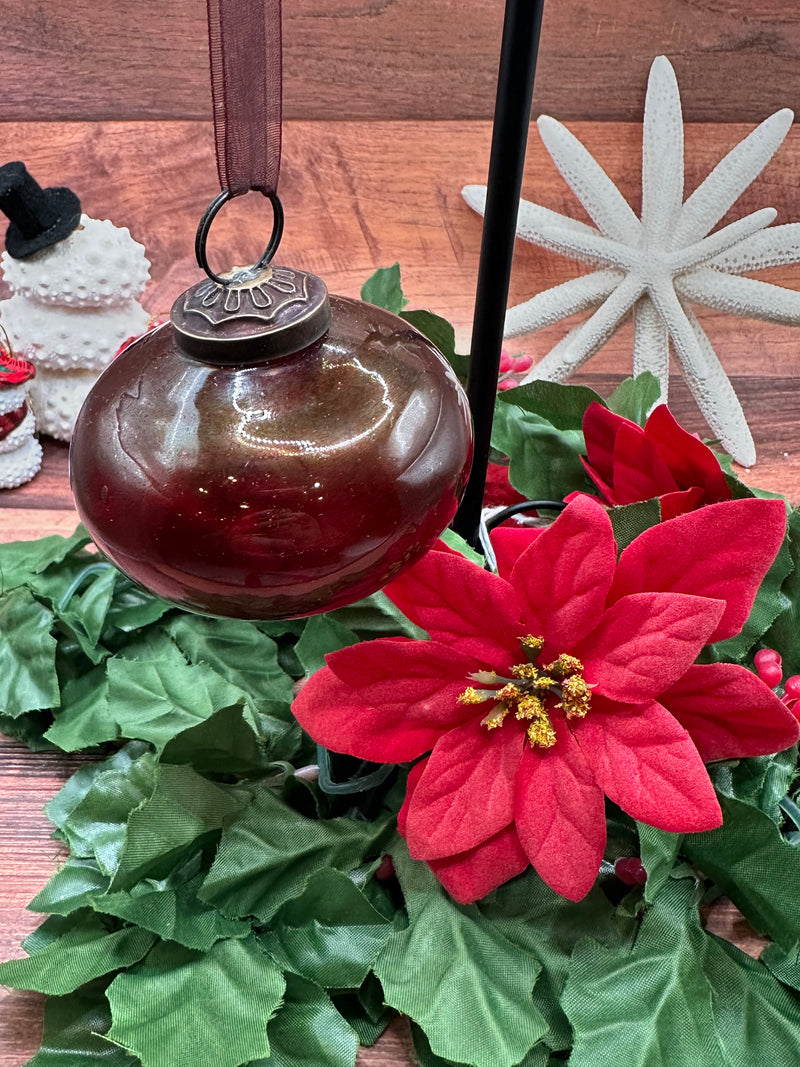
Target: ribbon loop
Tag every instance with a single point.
(244, 39)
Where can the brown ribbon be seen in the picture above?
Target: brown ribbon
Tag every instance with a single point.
(244, 40)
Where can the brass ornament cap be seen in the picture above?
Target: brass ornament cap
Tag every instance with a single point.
(255, 316)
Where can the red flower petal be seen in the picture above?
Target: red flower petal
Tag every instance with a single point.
(509, 542)
(639, 471)
(461, 604)
(691, 462)
(600, 428)
(674, 504)
(605, 490)
(387, 700)
(498, 490)
(721, 551)
(414, 776)
(645, 642)
(730, 712)
(645, 761)
(560, 815)
(471, 875)
(466, 792)
(565, 575)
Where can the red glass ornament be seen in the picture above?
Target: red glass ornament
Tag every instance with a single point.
(280, 489)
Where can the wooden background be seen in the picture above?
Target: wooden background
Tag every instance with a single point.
(388, 105)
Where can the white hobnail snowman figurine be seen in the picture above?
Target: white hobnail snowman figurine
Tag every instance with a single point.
(76, 283)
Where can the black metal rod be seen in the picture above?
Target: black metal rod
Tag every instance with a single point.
(521, 30)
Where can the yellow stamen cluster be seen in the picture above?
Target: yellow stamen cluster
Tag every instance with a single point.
(527, 689)
(576, 696)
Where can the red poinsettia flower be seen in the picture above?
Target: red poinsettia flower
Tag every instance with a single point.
(628, 463)
(568, 676)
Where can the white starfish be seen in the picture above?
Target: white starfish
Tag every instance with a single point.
(660, 263)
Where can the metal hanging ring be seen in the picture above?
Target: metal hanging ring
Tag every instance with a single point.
(205, 225)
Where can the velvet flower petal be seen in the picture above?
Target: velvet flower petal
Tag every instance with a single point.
(385, 719)
(439, 594)
(564, 576)
(723, 551)
(442, 818)
(560, 815)
(730, 712)
(645, 761)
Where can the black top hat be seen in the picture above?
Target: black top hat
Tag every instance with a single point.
(37, 217)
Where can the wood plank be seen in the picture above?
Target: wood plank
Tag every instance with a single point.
(425, 59)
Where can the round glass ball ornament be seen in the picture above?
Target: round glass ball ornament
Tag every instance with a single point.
(272, 452)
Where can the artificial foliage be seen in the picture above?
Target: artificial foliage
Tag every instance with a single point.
(215, 906)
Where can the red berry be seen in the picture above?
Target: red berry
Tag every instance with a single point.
(792, 687)
(507, 383)
(522, 363)
(766, 655)
(385, 869)
(770, 673)
(630, 870)
(506, 362)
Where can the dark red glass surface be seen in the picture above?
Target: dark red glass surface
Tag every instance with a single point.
(278, 490)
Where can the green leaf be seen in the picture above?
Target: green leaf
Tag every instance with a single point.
(155, 700)
(74, 1026)
(761, 781)
(456, 541)
(758, 1018)
(93, 808)
(207, 1010)
(634, 398)
(364, 1010)
(171, 909)
(29, 728)
(133, 607)
(545, 925)
(630, 520)
(545, 461)
(384, 290)
(648, 1005)
(223, 744)
(755, 866)
(236, 650)
(19, 560)
(87, 610)
(322, 634)
(268, 854)
(563, 406)
(442, 334)
(770, 602)
(85, 952)
(331, 934)
(71, 887)
(308, 1031)
(377, 616)
(449, 964)
(659, 850)
(85, 718)
(28, 679)
(183, 808)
